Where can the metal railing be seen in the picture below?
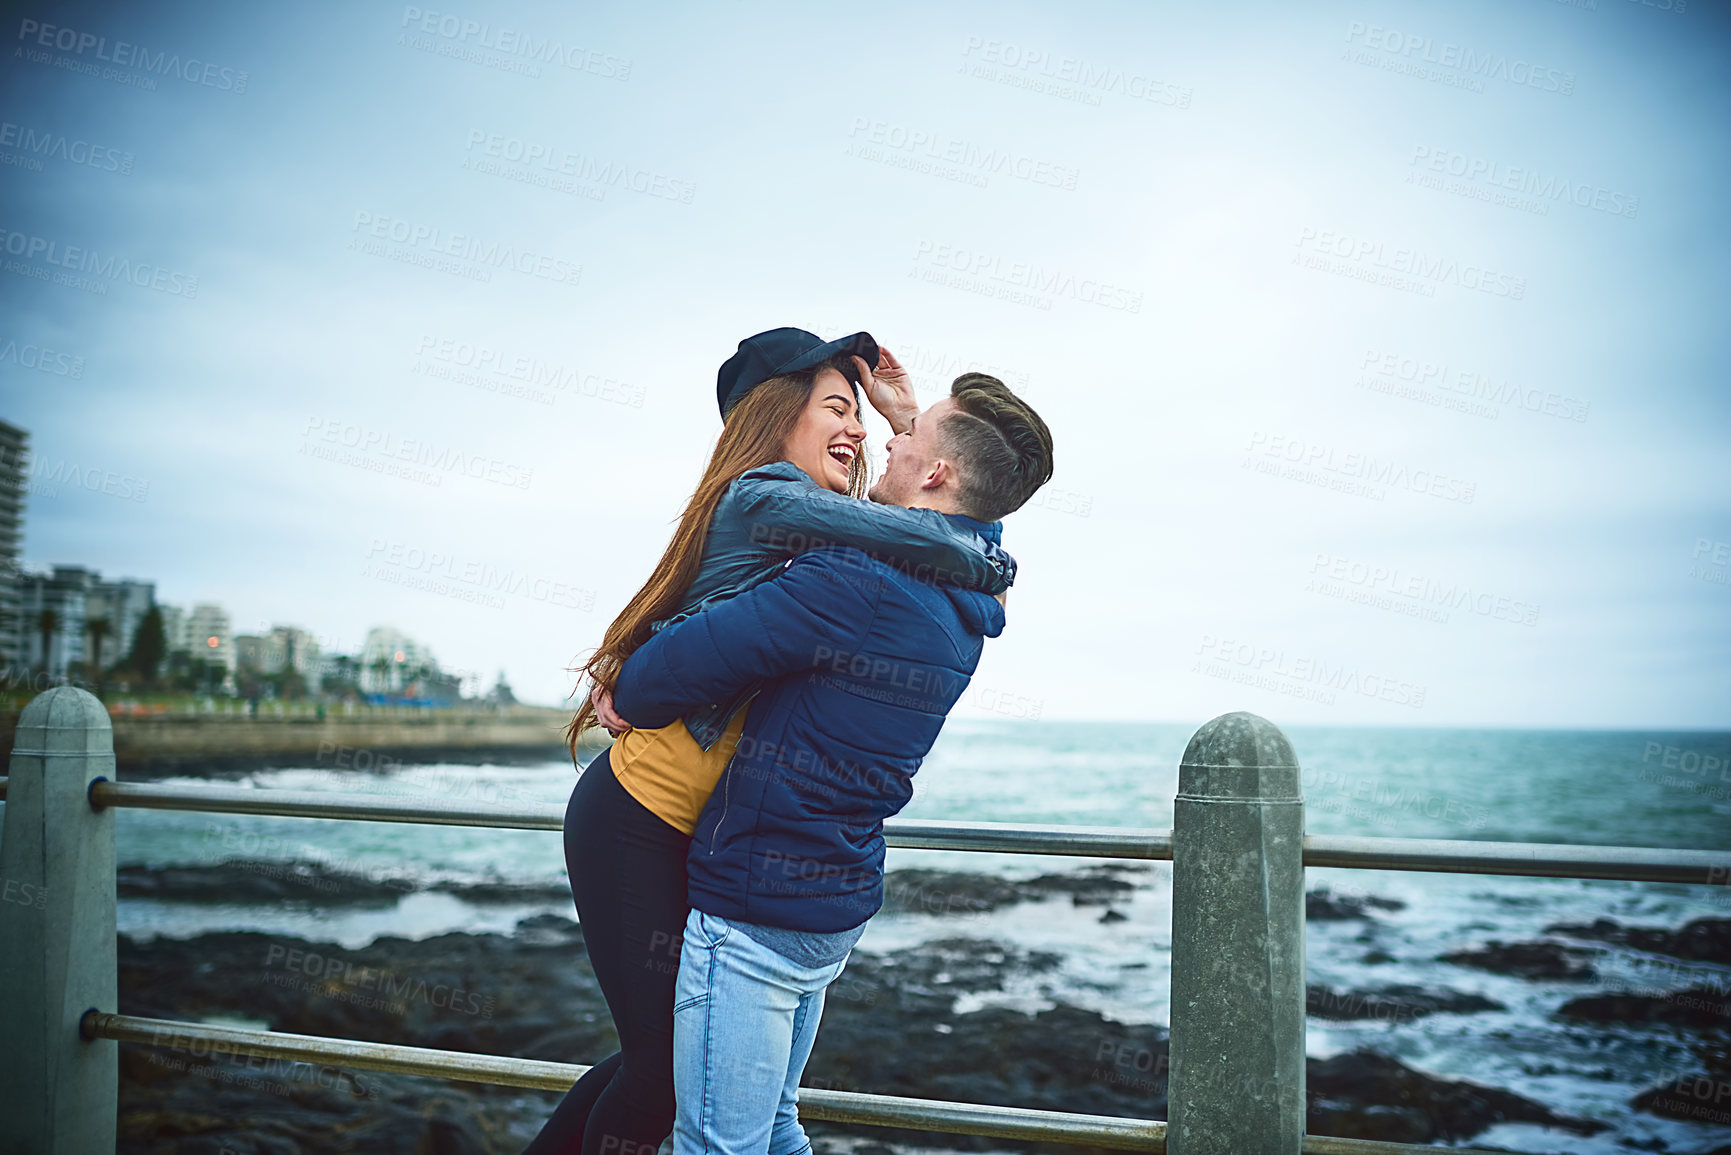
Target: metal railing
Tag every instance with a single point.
(1236, 1079)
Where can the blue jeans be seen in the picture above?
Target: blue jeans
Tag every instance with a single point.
(744, 1020)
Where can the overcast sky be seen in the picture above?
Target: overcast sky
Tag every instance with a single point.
(1384, 344)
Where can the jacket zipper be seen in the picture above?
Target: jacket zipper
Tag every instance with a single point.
(726, 800)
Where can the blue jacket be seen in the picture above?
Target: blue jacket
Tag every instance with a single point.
(861, 662)
(771, 513)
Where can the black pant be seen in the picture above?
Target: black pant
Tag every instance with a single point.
(627, 872)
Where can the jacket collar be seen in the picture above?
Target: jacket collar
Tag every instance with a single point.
(992, 531)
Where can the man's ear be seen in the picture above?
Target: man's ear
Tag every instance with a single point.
(939, 475)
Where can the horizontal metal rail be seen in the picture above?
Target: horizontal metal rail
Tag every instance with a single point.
(1532, 859)
(205, 1039)
(1536, 859)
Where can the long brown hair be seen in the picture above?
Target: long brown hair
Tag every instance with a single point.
(755, 434)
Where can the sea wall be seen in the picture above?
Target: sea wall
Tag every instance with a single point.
(188, 742)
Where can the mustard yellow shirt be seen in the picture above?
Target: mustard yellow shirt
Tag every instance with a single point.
(667, 771)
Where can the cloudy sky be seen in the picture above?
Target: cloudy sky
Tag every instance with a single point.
(1384, 343)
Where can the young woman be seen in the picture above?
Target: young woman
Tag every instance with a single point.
(787, 474)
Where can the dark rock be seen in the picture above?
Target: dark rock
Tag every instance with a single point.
(1696, 1098)
(1373, 957)
(1323, 905)
(243, 880)
(1090, 886)
(1392, 1003)
(1700, 1008)
(945, 892)
(505, 893)
(1528, 960)
(1113, 916)
(890, 1027)
(1365, 1095)
(1703, 940)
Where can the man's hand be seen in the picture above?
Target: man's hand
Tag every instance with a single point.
(602, 700)
(890, 390)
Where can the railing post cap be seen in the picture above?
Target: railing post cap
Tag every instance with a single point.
(1239, 756)
(64, 720)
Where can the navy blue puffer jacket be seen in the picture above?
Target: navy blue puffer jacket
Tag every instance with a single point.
(862, 663)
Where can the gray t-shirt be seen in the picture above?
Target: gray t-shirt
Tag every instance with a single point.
(805, 947)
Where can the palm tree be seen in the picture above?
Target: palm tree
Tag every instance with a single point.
(48, 622)
(98, 629)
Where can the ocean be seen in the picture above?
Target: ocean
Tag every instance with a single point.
(1579, 787)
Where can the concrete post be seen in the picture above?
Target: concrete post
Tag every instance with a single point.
(1236, 1084)
(58, 1093)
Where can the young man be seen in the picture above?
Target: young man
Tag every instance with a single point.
(862, 663)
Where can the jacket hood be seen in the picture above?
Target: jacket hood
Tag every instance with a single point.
(980, 611)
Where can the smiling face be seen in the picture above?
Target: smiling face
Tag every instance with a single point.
(918, 467)
(829, 435)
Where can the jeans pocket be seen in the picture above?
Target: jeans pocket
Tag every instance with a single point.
(706, 931)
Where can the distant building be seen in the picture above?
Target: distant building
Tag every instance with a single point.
(52, 607)
(174, 629)
(14, 464)
(390, 660)
(336, 671)
(249, 653)
(209, 638)
(292, 648)
(284, 648)
(122, 604)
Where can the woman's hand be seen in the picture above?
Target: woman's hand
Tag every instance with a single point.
(602, 700)
(890, 390)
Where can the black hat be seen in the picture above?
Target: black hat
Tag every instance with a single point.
(782, 351)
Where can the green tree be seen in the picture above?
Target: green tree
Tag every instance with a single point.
(98, 629)
(149, 646)
(48, 622)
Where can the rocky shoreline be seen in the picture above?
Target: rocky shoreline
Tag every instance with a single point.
(891, 1026)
